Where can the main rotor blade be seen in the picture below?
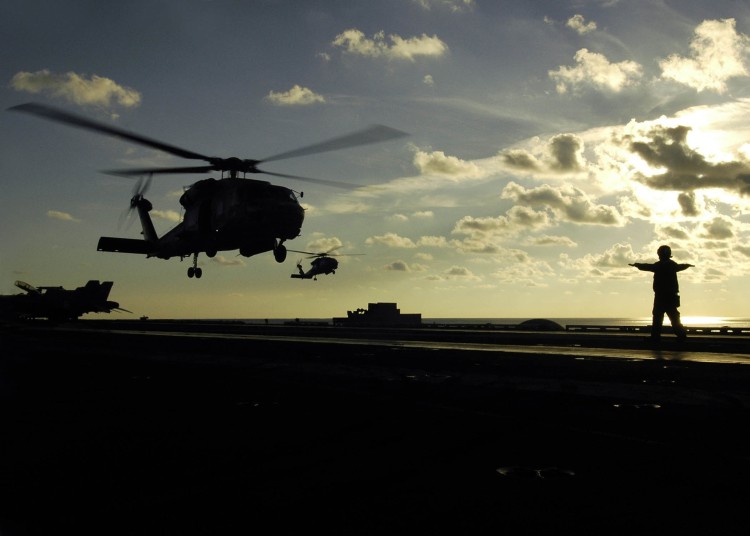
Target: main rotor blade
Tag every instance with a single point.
(68, 118)
(158, 171)
(373, 134)
(335, 184)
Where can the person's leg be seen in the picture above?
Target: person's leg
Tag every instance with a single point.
(674, 318)
(657, 321)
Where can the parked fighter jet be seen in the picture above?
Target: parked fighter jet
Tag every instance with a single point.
(56, 303)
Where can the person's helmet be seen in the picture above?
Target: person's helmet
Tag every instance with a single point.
(664, 252)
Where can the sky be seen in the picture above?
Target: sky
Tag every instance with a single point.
(550, 145)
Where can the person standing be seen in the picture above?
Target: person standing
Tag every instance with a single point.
(666, 291)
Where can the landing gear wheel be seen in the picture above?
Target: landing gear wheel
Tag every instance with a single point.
(194, 271)
(279, 253)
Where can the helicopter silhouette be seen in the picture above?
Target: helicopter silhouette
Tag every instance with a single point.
(225, 214)
(322, 263)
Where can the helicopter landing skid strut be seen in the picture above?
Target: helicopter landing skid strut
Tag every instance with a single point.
(194, 271)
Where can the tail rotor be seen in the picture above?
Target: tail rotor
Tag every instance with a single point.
(139, 190)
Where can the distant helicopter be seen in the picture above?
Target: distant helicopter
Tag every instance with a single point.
(223, 214)
(57, 303)
(322, 263)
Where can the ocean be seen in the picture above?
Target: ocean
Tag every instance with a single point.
(694, 321)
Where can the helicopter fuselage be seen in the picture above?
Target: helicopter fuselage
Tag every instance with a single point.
(220, 215)
(319, 266)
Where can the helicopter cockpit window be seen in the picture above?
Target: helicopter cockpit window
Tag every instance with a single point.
(292, 196)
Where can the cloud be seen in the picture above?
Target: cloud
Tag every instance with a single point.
(354, 42)
(397, 266)
(688, 205)
(563, 153)
(518, 218)
(324, 245)
(567, 152)
(75, 88)
(579, 25)
(568, 203)
(167, 215)
(391, 240)
(720, 228)
(62, 216)
(593, 70)
(221, 260)
(455, 6)
(547, 240)
(520, 159)
(683, 168)
(717, 54)
(428, 80)
(439, 163)
(461, 272)
(297, 96)
(395, 241)
(401, 266)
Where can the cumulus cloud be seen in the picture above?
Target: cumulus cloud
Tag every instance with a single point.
(717, 54)
(297, 96)
(516, 219)
(395, 241)
(397, 266)
(401, 266)
(684, 168)
(578, 24)
(460, 272)
(719, 228)
(391, 240)
(520, 159)
(62, 216)
(324, 244)
(594, 70)
(395, 47)
(562, 153)
(221, 260)
(76, 88)
(167, 215)
(439, 163)
(688, 205)
(567, 152)
(568, 203)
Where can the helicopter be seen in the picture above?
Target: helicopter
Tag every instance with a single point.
(224, 214)
(322, 263)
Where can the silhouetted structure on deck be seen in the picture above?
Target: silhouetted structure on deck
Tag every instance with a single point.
(379, 314)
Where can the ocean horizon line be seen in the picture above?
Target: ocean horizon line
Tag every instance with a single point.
(696, 321)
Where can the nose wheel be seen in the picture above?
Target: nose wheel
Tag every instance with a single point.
(194, 271)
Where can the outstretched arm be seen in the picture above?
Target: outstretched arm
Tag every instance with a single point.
(643, 266)
(681, 267)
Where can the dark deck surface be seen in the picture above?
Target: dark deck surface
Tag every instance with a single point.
(183, 433)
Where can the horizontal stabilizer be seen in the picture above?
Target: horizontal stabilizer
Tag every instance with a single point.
(124, 245)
